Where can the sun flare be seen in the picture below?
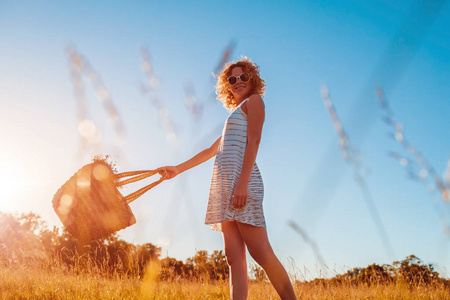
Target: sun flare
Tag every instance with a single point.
(11, 185)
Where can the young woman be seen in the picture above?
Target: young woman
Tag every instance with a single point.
(236, 194)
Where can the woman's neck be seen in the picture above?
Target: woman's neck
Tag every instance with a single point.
(239, 101)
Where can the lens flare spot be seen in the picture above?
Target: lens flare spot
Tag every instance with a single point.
(66, 201)
(423, 173)
(86, 128)
(83, 180)
(65, 205)
(399, 136)
(101, 172)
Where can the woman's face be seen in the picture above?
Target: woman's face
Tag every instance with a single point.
(241, 89)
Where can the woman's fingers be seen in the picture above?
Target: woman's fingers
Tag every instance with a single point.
(244, 201)
(239, 201)
(167, 172)
(163, 172)
(240, 194)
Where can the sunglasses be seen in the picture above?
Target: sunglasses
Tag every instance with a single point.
(233, 79)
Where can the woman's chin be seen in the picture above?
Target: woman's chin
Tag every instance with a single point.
(241, 94)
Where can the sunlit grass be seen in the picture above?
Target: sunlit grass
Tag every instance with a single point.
(25, 283)
(50, 282)
(36, 263)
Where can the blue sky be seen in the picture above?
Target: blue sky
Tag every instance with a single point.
(299, 45)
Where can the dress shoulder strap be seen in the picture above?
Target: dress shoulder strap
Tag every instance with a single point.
(242, 102)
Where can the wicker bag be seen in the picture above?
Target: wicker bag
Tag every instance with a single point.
(90, 205)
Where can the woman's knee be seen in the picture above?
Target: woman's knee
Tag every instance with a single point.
(234, 256)
(262, 255)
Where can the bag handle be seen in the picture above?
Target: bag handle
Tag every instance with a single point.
(137, 176)
(142, 175)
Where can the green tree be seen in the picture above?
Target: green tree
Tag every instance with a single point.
(173, 269)
(201, 265)
(219, 266)
(145, 254)
(19, 240)
(413, 271)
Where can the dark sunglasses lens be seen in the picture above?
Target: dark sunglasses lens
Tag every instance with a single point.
(244, 77)
(232, 80)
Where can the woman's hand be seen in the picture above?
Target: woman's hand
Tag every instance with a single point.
(168, 172)
(240, 195)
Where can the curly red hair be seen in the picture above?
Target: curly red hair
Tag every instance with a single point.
(223, 89)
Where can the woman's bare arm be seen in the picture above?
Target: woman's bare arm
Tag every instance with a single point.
(171, 171)
(255, 120)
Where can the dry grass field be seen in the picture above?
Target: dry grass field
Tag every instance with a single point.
(38, 263)
(47, 282)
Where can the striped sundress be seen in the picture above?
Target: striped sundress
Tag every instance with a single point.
(226, 172)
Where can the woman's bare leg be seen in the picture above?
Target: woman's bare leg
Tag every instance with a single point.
(236, 258)
(259, 247)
